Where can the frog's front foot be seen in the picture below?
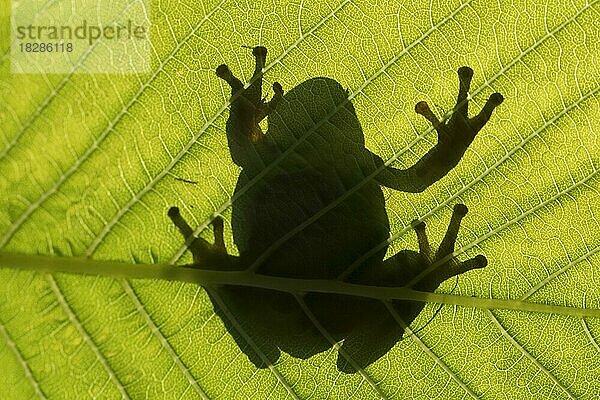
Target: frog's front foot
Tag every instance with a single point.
(447, 265)
(460, 130)
(248, 106)
(455, 135)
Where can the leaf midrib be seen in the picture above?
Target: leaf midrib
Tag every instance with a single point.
(209, 278)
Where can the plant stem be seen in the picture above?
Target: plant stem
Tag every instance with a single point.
(78, 265)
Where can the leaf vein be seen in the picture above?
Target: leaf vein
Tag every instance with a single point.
(21, 360)
(161, 338)
(553, 276)
(86, 336)
(430, 352)
(589, 334)
(528, 355)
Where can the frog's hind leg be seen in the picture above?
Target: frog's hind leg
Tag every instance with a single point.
(373, 336)
(444, 262)
(206, 255)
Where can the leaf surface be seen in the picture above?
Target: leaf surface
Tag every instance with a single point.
(89, 166)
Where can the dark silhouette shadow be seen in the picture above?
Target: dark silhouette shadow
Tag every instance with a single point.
(310, 205)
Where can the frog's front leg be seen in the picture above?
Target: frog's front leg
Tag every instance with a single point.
(206, 255)
(247, 142)
(454, 137)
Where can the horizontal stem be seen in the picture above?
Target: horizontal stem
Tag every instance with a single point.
(78, 265)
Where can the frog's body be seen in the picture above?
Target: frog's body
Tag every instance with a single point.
(309, 205)
(317, 172)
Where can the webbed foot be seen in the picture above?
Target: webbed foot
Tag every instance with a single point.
(447, 264)
(460, 129)
(251, 107)
(205, 255)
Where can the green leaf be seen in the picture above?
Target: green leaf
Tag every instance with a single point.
(89, 166)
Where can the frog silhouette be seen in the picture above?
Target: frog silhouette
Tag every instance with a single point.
(309, 204)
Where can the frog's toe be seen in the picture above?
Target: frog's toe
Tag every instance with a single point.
(479, 261)
(461, 109)
(277, 89)
(465, 73)
(268, 107)
(446, 250)
(478, 122)
(424, 246)
(173, 212)
(217, 224)
(180, 223)
(422, 108)
(260, 55)
(260, 52)
(449, 241)
(277, 96)
(225, 73)
(496, 99)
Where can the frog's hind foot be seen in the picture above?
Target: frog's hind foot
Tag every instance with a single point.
(447, 264)
(250, 99)
(205, 255)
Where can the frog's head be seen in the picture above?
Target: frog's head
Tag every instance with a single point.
(318, 107)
